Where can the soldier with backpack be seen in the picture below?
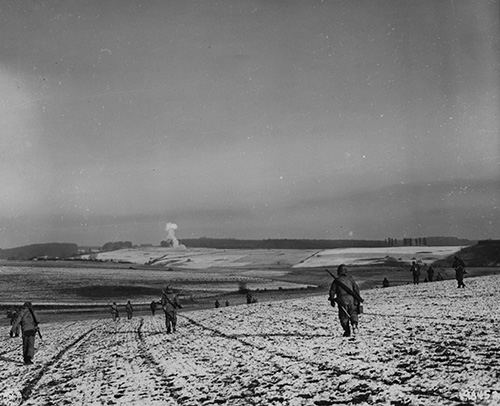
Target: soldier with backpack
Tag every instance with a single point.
(115, 314)
(26, 318)
(11, 315)
(152, 306)
(344, 292)
(129, 309)
(170, 304)
(430, 273)
(459, 266)
(415, 271)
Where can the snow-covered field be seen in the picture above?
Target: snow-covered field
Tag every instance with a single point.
(374, 256)
(51, 284)
(205, 258)
(430, 344)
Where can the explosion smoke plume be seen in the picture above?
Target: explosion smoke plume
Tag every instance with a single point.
(171, 238)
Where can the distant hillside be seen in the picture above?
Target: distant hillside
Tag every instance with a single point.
(50, 250)
(448, 241)
(484, 253)
(232, 243)
(229, 243)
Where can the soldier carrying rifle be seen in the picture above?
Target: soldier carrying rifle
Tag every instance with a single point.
(11, 315)
(115, 314)
(344, 292)
(459, 266)
(170, 304)
(28, 321)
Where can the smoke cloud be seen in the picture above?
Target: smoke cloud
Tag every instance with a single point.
(171, 238)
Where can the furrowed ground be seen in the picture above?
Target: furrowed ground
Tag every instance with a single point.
(431, 344)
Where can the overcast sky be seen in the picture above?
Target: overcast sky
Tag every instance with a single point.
(248, 119)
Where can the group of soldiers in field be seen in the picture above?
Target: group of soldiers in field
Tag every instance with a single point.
(169, 303)
(217, 303)
(344, 291)
(417, 268)
(115, 312)
(344, 294)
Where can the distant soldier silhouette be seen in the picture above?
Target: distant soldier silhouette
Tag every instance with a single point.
(11, 315)
(217, 303)
(459, 266)
(385, 283)
(227, 303)
(26, 318)
(115, 314)
(430, 273)
(415, 271)
(129, 309)
(249, 298)
(152, 306)
(344, 292)
(170, 304)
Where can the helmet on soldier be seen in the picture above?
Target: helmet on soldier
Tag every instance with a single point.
(341, 270)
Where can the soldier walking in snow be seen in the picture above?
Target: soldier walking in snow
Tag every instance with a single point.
(129, 309)
(217, 303)
(29, 326)
(430, 273)
(115, 314)
(11, 315)
(152, 306)
(344, 292)
(170, 304)
(415, 270)
(459, 266)
(385, 283)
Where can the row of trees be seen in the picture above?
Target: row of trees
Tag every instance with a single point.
(116, 245)
(394, 242)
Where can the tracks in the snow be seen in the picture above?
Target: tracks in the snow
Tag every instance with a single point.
(28, 386)
(319, 366)
(16, 347)
(443, 319)
(167, 378)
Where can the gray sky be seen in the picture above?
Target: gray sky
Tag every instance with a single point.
(248, 119)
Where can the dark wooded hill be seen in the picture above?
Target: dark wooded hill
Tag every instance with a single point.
(46, 251)
(484, 253)
(230, 243)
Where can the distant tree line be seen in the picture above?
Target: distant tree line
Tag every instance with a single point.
(231, 243)
(427, 241)
(116, 245)
(40, 251)
(394, 242)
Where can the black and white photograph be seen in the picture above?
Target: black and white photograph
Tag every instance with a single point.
(249, 202)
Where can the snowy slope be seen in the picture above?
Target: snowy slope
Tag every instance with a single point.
(431, 344)
(203, 258)
(373, 256)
